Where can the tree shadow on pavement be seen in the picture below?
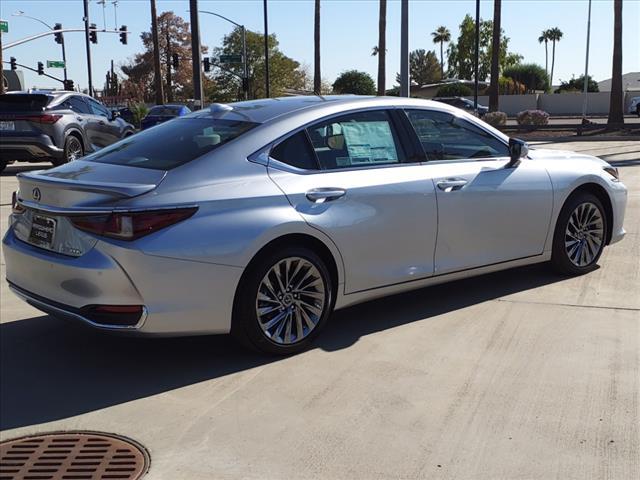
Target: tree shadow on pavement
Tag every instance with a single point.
(51, 370)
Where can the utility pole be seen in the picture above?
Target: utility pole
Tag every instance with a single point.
(266, 51)
(156, 55)
(404, 49)
(586, 68)
(196, 55)
(477, 55)
(316, 53)
(169, 81)
(88, 43)
(1, 67)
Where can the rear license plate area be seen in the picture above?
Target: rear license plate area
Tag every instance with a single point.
(43, 230)
(7, 125)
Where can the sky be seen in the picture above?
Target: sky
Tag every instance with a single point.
(349, 30)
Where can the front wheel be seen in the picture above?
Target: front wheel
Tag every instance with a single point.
(580, 235)
(283, 301)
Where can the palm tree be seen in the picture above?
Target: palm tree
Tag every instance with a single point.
(317, 79)
(495, 57)
(381, 49)
(616, 115)
(441, 35)
(545, 38)
(555, 35)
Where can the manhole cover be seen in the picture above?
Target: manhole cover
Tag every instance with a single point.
(72, 456)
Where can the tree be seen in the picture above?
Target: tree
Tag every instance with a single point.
(544, 37)
(111, 84)
(353, 81)
(555, 35)
(424, 67)
(495, 57)
(441, 35)
(317, 77)
(174, 37)
(532, 76)
(616, 115)
(577, 85)
(382, 47)
(284, 72)
(454, 90)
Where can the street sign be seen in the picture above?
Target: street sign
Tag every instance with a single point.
(55, 64)
(230, 59)
(4, 26)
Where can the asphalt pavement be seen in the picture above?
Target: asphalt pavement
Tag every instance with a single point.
(521, 374)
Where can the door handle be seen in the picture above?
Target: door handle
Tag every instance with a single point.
(451, 184)
(321, 195)
(80, 119)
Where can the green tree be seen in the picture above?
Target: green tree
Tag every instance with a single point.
(441, 35)
(531, 75)
(577, 85)
(353, 81)
(424, 67)
(555, 35)
(284, 72)
(616, 115)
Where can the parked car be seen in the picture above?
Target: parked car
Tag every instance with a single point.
(126, 114)
(463, 103)
(634, 106)
(162, 113)
(55, 126)
(270, 214)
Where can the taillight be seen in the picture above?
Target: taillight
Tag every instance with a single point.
(48, 118)
(131, 225)
(16, 207)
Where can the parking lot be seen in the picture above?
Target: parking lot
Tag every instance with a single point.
(518, 374)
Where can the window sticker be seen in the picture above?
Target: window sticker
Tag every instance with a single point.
(369, 142)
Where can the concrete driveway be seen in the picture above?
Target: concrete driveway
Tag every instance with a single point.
(517, 375)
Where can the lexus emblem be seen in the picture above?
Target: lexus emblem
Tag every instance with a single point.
(36, 194)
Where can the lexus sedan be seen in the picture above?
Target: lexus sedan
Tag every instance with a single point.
(260, 218)
(55, 126)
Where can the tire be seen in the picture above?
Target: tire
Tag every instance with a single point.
(73, 150)
(3, 165)
(580, 235)
(638, 110)
(290, 323)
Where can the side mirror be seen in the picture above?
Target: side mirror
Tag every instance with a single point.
(114, 114)
(517, 150)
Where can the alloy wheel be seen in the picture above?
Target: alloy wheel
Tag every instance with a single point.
(74, 150)
(584, 235)
(290, 300)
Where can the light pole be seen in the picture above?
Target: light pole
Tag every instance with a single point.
(477, 58)
(20, 13)
(245, 83)
(266, 50)
(196, 54)
(586, 69)
(405, 88)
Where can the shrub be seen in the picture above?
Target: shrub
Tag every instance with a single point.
(532, 76)
(355, 82)
(577, 85)
(533, 117)
(495, 119)
(454, 90)
(139, 110)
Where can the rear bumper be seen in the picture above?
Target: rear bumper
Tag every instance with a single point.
(179, 297)
(28, 148)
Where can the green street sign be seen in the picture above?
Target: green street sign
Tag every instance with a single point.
(55, 64)
(230, 59)
(4, 26)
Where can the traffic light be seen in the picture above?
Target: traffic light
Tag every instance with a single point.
(68, 85)
(123, 34)
(40, 68)
(12, 61)
(58, 36)
(93, 35)
(207, 64)
(175, 60)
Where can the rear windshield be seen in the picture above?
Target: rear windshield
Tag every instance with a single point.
(171, 144)
(164, 110)
(15, 102)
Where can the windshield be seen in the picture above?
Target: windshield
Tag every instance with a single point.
(171, 144)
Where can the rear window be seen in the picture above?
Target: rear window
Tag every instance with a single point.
(165, 110)
(172, 144)
(23, 102)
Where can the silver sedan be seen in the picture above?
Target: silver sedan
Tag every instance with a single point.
(260, 218)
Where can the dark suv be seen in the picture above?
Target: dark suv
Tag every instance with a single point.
(55, 126)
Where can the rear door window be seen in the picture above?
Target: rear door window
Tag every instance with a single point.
(74, 103)
(17, 103)
(172, 144)
(296, 151)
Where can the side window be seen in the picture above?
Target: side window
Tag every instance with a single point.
(98, 109)
(446, 137)
(78, 105)
(295, 151)
(358, 139)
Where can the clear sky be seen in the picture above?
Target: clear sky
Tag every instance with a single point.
(348, 33)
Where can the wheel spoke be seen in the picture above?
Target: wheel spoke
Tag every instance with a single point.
(584, 234)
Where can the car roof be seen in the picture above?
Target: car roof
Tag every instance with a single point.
(268, 109)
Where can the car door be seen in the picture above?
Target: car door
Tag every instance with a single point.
(350, 177)
(487, 213)
(107, 129)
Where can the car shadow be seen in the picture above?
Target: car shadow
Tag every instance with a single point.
(51, 370)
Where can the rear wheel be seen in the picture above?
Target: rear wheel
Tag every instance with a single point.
(73, 150)
(283, 301)
(638, 110)
(580, 235)
(3, 165)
